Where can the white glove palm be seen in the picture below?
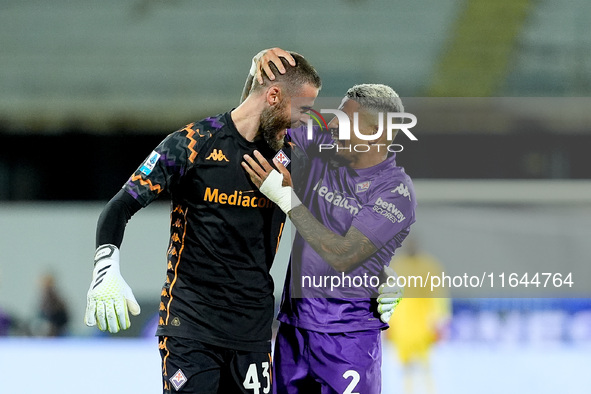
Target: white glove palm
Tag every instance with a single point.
(390, 295)
(109, 297)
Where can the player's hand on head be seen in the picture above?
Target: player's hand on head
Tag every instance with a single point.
(271, 55)
(390, 295)
(109, 298)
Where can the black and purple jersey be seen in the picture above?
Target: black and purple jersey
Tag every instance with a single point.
(223, 235)
(380, 202)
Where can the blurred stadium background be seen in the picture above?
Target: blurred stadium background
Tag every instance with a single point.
(501, 90)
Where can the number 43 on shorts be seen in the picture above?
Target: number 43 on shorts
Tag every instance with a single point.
(251, 380)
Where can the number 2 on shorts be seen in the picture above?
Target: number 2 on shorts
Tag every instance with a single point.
(355, 379)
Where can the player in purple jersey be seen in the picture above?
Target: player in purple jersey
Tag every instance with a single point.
(350, 220)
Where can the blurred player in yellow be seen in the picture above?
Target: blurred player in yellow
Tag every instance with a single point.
(420, 318)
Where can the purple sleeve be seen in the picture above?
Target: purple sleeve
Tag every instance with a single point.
(299, 136)
(389, 210)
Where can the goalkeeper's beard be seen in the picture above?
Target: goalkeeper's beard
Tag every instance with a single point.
(272, 124)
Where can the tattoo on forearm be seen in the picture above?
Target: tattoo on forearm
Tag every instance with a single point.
(342, 253)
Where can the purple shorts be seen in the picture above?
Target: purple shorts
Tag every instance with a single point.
(314, 362)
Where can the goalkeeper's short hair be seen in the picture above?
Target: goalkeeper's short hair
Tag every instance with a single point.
(294, 78)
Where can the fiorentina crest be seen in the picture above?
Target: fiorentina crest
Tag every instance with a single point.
(282, 158)
(178, 379)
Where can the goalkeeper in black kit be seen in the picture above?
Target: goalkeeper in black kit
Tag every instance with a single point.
(217, 301)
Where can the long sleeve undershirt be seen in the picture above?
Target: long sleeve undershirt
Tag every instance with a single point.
(114, 217)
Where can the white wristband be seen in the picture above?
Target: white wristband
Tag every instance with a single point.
(106, 251)
(283, 196)
(105, 255)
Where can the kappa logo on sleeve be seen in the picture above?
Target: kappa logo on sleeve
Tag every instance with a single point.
(402, 190)
(150, 163)
(178, 380)
(282, 158)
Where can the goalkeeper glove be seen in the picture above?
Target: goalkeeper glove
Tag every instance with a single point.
(109, 297)
(390, 295)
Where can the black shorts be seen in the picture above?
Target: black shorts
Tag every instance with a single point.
(190, 366)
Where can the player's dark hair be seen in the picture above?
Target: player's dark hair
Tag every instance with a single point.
(295, 76)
